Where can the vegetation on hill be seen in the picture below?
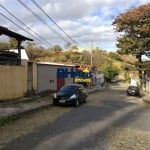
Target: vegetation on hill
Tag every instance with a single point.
(111, 63)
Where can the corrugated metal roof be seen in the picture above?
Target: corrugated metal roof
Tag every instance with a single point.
(55, 64)
(5, 31)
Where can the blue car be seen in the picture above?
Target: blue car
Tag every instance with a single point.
(71, 94)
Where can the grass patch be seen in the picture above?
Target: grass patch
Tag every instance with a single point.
(15, 117)
(6, 120)
(30, 100)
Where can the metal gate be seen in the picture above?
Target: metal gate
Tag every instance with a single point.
(60, 82)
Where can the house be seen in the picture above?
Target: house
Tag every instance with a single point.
(47, 78)
(147, 82)
(13, 76)
(42, 76)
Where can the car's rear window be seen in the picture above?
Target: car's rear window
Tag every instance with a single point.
(133, 87)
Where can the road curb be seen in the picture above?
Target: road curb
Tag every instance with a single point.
(17, 115)
(146, 98)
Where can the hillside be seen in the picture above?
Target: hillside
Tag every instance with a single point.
(110, 63)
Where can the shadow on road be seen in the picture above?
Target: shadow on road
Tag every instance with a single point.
(87, 124)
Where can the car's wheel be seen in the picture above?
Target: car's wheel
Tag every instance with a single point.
(55, 103)
(138, 95)
(84, 100)
(77, 103)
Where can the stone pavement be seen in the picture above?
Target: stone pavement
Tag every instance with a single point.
(146, 98)
(27, 104)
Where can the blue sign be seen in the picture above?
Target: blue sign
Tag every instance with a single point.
(65, 72)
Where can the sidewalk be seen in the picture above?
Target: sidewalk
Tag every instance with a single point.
(146, 98)
(28, 104)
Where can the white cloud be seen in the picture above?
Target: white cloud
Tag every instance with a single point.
(3, 1)
(83, 20)
(74, 9)
(144, 1)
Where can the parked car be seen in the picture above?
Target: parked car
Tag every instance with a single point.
(72, 94)
(113, 81)
(133, 91)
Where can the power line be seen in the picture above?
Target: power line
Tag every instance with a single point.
(53, 21)
(15, 23)
(23, 4)
(49, 44)
(19, 27)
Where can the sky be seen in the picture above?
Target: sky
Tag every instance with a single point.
(84, 23)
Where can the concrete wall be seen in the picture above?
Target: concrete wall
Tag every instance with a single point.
(147, 87)
(34, 76)
(13, 82)
(146, 84)
(31, 76)
(47, 77)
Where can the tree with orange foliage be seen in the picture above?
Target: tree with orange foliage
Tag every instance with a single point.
(135, 38)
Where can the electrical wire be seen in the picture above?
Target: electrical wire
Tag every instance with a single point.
(19, 27)
(53, 21)
(49, 44)
(23, 4)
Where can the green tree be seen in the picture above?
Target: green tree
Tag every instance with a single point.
(12, 43)
(33, 51)
(86, 58)
(63, 58)
(98, 57)
(114, 56)
(75, 57)
(57, 48)
(74, 48)
(3, 46)
(109, 69)
(135, 26)
(67, 45)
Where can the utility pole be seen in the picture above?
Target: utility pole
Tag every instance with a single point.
(92, 54)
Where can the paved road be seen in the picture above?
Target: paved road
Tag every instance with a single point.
(109, 121)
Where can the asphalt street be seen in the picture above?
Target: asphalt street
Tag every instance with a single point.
(110, 120)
